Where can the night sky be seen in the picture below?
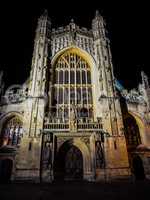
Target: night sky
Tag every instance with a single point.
(127, 24)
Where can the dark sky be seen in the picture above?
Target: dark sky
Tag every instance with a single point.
(127, 23)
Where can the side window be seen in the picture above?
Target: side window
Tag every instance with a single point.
(12, 132)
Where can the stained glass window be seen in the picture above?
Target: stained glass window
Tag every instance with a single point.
(72, 83)
(12, 132)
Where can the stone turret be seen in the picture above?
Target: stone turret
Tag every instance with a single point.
(98, 26)
(40, 56)
(28, 158)
(106, 76)
(39, 69)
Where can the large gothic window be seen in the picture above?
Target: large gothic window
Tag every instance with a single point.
(12, 132)
(72, 85)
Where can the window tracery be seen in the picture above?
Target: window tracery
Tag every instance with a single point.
(72, 85)
(12, 132)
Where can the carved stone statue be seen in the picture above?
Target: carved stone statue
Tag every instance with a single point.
(73, 118)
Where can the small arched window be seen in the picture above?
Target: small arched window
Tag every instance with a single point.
(12, 132)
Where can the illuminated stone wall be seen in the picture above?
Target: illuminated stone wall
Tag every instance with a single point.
(34, 103)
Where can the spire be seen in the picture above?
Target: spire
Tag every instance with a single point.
(97, 14)
(44, 24)
(72, 20)
(98, 17)
(45, 13)
(72, 24)
(98, 25)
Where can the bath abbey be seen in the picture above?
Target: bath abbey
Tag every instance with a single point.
(72, 119)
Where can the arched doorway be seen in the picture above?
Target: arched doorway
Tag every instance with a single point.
(6, 166)
(132, 133)
(138, 169)
(68, 163)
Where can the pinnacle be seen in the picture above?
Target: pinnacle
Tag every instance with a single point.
(45, 13)
(72, 20)
(97, 14)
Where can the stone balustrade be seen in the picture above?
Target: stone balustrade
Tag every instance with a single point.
(91, 126)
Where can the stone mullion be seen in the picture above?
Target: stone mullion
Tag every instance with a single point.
(75, 74)
(69, 82)
(58, 94)
(87, 101)
(81, 83)
(63, 90)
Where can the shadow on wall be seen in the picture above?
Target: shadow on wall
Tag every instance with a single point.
(138, 169)
(6, 166)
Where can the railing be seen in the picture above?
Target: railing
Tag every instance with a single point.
(56, 126)
(90, 126)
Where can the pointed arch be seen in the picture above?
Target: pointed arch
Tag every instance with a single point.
(91, 61)
(11, 128)
(141, 125)
(60, 157)
(132, 133)
(85, 152)
(74, 83)
(9, 115)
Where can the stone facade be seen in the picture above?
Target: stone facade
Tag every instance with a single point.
(106, 132)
